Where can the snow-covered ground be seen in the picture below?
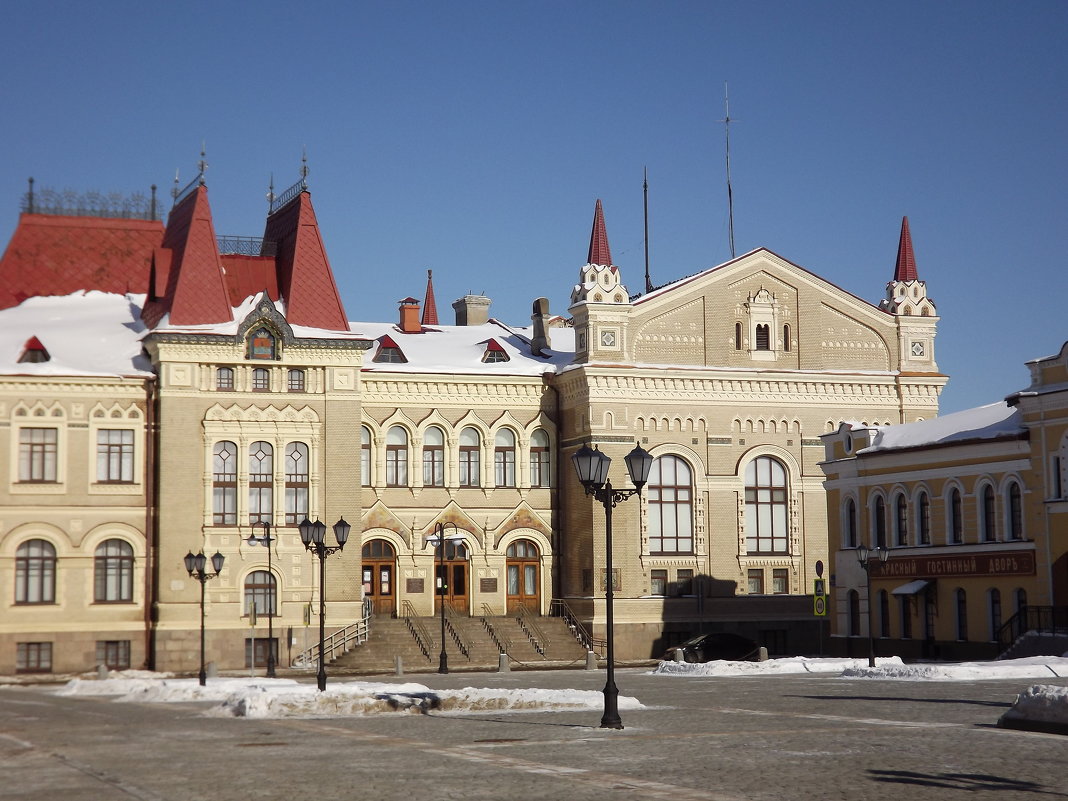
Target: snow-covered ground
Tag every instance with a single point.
(276, 698)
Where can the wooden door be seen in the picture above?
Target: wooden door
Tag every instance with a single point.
(523, 574)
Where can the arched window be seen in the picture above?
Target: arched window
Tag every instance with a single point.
(737, 336)
(987, 515)
(261, 380)
(433, 457)
(35, 573)
(296, 483)
(504, 458)
(994, 597)
(786, 337)
(539, 459)
(884, 613)
(260, 482)
(766, 528)
(1015, 512)
(851, 524)
(925, 518)
(224, 378)
(901, 521)
(295, 380)
(962, 615)
(763, 338)
(113, 572)
(878, 523)
(906, 618)
(224, 484)
(470, 457)
(670, 497)
(260, 593)
(956, 524)
(365, 457)
(854, 613)
(396, 457)
(1021, 599)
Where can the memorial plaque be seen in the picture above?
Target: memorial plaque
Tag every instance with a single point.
(487, 585)
(413, 586)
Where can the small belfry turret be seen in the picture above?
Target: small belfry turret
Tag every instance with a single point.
(906, 298)
(600, 303)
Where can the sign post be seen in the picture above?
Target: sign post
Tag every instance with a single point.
(819, 602)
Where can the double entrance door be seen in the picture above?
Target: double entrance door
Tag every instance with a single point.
(450, 585)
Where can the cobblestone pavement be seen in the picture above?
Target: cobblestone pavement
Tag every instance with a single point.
(725, 739)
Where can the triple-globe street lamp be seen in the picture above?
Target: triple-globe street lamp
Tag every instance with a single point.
(592, 468)
(272, 598)
(313, 536)
(866, 557)
(196, 565)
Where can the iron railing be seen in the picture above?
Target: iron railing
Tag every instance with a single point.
(1048, 621)
(503, 643)
(416, 628)
(246, 246)
(531, 629)
(277, 201)
(559, 608)
(338, 642)
(455, 625)
(69, 203)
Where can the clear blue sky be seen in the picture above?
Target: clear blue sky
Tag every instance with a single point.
(473, 138)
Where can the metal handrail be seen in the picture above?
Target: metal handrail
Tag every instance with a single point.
(533, 631)
(339, 642)
(416, 628)
(457, 628)
(559, 608)
(504, 644)
(1043, 620)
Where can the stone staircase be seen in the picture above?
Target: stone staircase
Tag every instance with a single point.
(548, 641)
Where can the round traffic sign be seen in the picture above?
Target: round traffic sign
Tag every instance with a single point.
(820, 607)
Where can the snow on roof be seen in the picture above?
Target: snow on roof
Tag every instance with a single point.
(992, 421)
(85, 334)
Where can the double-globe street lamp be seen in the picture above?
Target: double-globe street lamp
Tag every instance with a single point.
(196, 565)
(313, 536)
(272, 597)
(438, 538)
(592, 467)
(866, 557)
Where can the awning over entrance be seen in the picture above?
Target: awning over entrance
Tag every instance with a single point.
(911, 588)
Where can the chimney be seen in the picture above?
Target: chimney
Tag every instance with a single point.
(539, 341)
(409, 316)
(472, 310)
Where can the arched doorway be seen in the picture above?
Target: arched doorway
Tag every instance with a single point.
(379, 566)
(450, 576)
(523, 563)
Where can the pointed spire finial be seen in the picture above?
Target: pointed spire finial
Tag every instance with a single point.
(304, 167)
(174, 189)
(905, 268)
(270, 193)
(430, 306)
(202, 165)
(599, 252)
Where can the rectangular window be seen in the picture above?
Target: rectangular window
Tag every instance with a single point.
(37, 454)
(504, 466)
(539, 467)
(113, 654)
(261, 380)
(780, 580)
(33, 657)
(114, 456)
(755, 581)
(433, 466)
(684, 582)
(658, 582)
(396, 465)
(296, 380)
(469, 456)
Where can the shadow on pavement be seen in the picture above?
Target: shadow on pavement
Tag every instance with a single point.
(1003, 704)
(972, 782)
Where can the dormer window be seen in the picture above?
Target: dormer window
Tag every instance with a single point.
(33, 352)
(388, 352)
(494, 352)
(263, 344)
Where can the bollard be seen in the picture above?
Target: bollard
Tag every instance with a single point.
(210, 671)
(677, 654)
(502, 663)
(398, 666)
(101, 671)
(763, 656)
(591, 660)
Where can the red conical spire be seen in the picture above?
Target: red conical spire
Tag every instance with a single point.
(599, 252)
(906, 260)
(430, 308)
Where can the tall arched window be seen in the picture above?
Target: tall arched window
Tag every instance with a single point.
(956, 523)
(260, 482)
(766, 525)
(470, 456)
(854, 613)
(737, 336)
(901, 521)
(539, 459)
(365, 457)
(786, 337)
(433, 457)
(994, 597)
(224, 484)
(670, 495)
(260, 592)
(35, 573)
(113, 572)
(924, 515)
(987, 515)
(851, 524)
(1015, 512)
(504, 458)
(962, 615)
(397, 457)
(296, 483)
(884, 613)
(878, 523)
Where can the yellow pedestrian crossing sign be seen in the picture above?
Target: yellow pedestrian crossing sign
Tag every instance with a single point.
(819, 598)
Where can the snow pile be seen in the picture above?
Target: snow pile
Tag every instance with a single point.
(777, 667)
(1044, 704)
(280, 698)
(1027, 668)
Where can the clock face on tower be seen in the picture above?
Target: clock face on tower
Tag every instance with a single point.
(917, 349)
(608, 339)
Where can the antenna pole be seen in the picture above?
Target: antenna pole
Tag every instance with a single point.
(730, 195)
(645, 193)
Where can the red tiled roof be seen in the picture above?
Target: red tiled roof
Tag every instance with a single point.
(905, 269)
(430, 307)
(599, 252)
(249, 275)
(304, 276)
(58, 255)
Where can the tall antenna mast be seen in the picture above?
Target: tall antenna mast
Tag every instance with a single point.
(730, 195)
(645, 193)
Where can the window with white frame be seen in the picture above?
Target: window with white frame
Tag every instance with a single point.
(470, 457)
(37, 454)
(504, 458)
(766, 518)
(669, 493)
(396, 457)
(35, 572)
(365, 457)
(114, 456)
(433, 457)
(260, 482)
(224, 484)
(539, 459)
(296, 483)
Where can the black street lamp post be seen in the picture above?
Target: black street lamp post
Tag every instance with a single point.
(592, 467)
(443, 582)
(267, 540)
(195, 564)
(313, 536)
(866, 557)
